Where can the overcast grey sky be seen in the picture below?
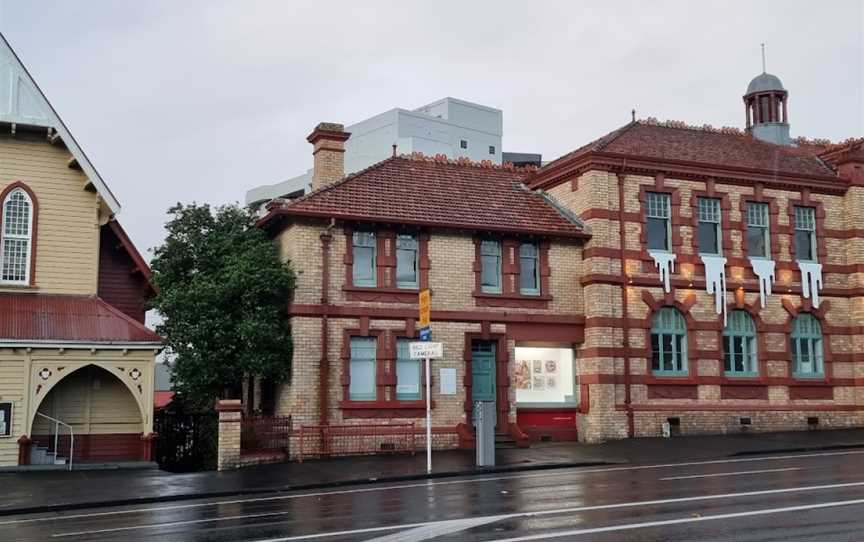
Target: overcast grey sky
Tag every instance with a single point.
(201, 100)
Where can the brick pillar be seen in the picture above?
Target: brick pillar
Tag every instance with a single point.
(24, 444)
(601, 387)
(230, 415)
(147, 442)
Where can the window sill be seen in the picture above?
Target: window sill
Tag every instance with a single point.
(741, 376)
(483, 299)
(384, 409)
(16, 286)
(670, 374)
(382, 295)
(810, 377)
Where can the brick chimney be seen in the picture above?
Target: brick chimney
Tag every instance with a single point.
(328, 140)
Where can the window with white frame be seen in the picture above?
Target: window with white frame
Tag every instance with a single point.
(364, 255)
(657, 213)
(406, 261)
(490, 266)
(758, 240)
(362, 369)
(739, 345)
(805, 233)
(17, 215)
(407, 372)
(529, 269)
(709, 233)
(807, 346)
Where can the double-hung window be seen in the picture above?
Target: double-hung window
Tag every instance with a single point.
(529, 269)
(17, 214)
(407, 372)
(758, 240)
(406, 261)
(805, 233)
(668, 343)
(490, 266)
(709, 225)
(807, 346)
(362, 369)
(739, 345)
(659, 229)
(364, 253)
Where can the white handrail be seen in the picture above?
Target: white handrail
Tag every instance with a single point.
(57, 424)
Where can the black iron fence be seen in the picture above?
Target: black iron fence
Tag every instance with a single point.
(266, 433)
(186, 442)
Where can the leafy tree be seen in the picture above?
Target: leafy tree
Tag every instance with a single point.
(222, 290)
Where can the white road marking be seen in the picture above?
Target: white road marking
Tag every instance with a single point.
(721, 474)
(631, 526)
(632, 504)
(425, 484)
(442, 528)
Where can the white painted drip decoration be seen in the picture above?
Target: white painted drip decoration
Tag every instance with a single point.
(811, 280)
(715, 282)
(764, 271)
(665, 263)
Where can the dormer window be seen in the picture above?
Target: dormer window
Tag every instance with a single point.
(16, 237)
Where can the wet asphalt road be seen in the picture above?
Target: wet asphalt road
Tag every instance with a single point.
(818, 496)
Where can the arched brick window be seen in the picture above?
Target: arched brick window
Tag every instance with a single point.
(668, 343)
(739, 345)
(807, 356)
(16, 237)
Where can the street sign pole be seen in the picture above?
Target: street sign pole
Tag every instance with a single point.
(428, 418)
(424, 304)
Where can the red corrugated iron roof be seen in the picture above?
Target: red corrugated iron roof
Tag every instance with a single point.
(676, 141)
(161, 399)
(438, 192)
(67, 318)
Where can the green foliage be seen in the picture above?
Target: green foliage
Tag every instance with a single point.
(222, 291)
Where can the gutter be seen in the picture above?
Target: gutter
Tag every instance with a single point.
(108, 345)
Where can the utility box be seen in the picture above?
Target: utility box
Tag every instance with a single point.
(484, 423)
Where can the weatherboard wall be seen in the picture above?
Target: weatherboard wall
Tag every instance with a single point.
(67, 240)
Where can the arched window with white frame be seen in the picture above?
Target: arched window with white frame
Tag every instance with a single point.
(16, 237)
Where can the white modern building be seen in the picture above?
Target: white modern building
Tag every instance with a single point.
(448, 126)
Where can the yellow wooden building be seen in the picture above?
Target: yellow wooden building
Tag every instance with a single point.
(76, 361)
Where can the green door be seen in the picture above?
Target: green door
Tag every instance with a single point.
(483, 371)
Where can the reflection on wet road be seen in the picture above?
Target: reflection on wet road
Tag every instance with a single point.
(789, 497)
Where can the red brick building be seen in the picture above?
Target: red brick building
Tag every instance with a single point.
(712, 279)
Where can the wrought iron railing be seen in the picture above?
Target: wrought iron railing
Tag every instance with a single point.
(333, 440)
(266, 433)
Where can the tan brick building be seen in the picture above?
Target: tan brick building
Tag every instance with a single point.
(711, 279)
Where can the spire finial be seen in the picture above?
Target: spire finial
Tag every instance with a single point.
(633, 114)
(763, 58)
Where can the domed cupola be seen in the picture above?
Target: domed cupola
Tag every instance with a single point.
(767, 116)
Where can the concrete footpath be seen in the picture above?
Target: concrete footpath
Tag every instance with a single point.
(51, 491)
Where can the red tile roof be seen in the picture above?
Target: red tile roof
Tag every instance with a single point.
(66, 318)
(438, 192)
(674, 141)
